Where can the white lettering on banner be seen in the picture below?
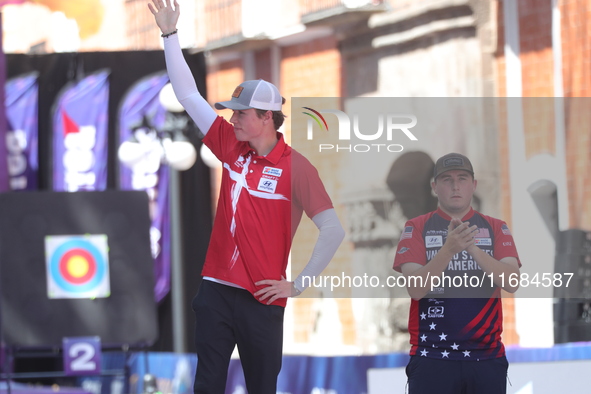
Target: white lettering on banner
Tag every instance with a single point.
(18, 183)
(79, 159)
(144, 176)
(318, 390)
(155, 236)
(239, 389)
(17, 164)
(74, 178)
(16, 143)
(145, 181)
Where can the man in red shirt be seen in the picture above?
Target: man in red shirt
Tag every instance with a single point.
(455, 324)
(266, 186)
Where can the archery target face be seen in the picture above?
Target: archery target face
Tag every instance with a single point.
(77, 266)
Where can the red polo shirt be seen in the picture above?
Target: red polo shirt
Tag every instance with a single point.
(259, 208)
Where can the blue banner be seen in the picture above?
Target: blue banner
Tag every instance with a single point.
(174, 372)
(80, 142)
(334, 375)
(299, 374)
(141, 118)
(22, 131)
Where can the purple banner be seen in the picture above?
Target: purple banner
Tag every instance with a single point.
(140, 119)
(80, 135)
(4, 184)
(22, 132)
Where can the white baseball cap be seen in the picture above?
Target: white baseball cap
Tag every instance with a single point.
(258, 94)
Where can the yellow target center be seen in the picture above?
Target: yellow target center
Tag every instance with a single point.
(77, 266)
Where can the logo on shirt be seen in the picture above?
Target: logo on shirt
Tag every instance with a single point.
(407, 233)
(482, 233)
(483, 241)
(505, 229)
(404, 249)
(272, 171)
(239, 162)
(433, 241)
(267, 185)
(435, 311)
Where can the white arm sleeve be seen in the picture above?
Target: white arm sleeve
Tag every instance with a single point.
(184, 85)
(330, 237)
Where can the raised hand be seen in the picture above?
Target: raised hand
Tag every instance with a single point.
(166, 17)
(459, 235)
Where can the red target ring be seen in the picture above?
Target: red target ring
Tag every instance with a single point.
(77, 266)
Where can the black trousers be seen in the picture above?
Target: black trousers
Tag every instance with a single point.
(429, 375)
(228, 317)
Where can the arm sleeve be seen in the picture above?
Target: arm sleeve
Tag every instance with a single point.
(184, 85)
(411, 246)
(504, 243)
(330, 237)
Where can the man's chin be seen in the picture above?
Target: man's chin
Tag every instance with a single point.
(457, 207)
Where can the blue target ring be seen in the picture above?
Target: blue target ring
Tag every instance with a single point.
(57, 258)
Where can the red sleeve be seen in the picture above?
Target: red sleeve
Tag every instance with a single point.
(504, 243)
(220, 138)
(411, 246)
(308, 191)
